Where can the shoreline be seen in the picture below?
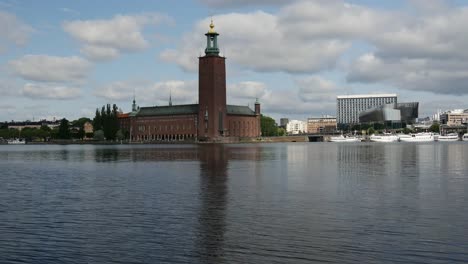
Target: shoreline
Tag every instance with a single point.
(279, 139)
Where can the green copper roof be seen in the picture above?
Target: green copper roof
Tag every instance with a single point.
(189, 109)
(239, 110)
(168, 110)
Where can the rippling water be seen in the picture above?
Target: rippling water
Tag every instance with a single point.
(266, 203)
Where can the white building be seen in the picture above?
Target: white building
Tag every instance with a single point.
(348, 107)
(295, 127)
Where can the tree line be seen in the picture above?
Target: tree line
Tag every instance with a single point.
(106, 123)
(66, 130)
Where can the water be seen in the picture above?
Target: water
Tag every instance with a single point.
(266, 203)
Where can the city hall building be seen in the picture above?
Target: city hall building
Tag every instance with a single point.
(212, 119)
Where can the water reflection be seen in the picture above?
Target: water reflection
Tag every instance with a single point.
(213, 195)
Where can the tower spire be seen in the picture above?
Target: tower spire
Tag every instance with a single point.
(212, 41)
(134, 107)
(170, 97)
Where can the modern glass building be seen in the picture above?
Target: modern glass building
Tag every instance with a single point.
(401, 113)
(348, 107)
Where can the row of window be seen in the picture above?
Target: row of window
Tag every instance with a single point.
(153, 137)
(143, 128)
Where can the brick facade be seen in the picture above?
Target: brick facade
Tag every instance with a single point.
(210, 120)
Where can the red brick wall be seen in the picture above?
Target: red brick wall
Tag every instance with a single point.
(243, 126)
(211, 96)
(155, 128)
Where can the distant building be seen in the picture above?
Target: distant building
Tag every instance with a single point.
(456, 117)
(348, 107)
(211, 119)
(396, 113)
(295, 127)
(321, 124)
(88, 127)
(32, 124)
(284, 122)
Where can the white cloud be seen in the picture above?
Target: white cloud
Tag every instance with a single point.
(257, 41)
(248, 90)
(121, 90)
(12, 30)
(106, 39)
(311, 95)
(69, 11)
(8, 87)
(427, 54)
(150, 94)
(241, 3)
(46, 68)
(50, 91)
(316, 89)
(420, 48)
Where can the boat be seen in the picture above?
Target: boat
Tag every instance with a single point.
(465, 137)
(387, 137)
(342, 138)
(419, 137)
(16, 141)
(449, 137)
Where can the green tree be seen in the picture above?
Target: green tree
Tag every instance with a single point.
(81, 133)
(9, 133)
(99, 135)
(281, 131)
(81, 121)
(120, 135)
(370, 131)
(268, 126)
(97, 121)
(107, 121)
(28, 133)
(435, 128)
(64, 130)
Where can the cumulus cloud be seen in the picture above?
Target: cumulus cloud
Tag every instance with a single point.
(150, 93)
(50, 91)
(257, 41)
(241, 3)
(13, 30)
(8, 87)
(426, 54)
(105, 39)
(420, 48)
(248, 90)
(45, 68)
(316, 89)
(311, 95)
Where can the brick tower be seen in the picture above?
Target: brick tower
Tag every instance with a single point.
(211, 90)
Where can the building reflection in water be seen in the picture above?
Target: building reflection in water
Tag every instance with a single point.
(213, 202)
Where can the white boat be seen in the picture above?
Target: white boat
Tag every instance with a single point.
(465, 137)
(342, 138)
(449, 137)
(383, 138)
(419, 137)
(16, 141)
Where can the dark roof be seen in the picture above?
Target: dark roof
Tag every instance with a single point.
(239, 110)
(168, 110)
(190, 109)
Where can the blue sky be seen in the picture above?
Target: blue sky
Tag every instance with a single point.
(66, 58)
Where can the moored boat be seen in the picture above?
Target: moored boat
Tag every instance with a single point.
(383, 138)
(465, 137)
(342, 138)
(16, 141)
(449, 137)
(419, 137)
